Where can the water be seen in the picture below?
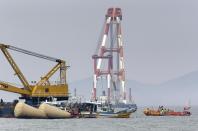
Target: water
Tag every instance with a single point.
(138, 122)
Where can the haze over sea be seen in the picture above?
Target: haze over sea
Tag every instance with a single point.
(137, 122)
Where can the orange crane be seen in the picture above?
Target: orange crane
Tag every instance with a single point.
(43, 89)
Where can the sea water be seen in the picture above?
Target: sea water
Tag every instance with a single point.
(137, 122)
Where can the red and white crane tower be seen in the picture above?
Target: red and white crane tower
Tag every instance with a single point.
(109, 59)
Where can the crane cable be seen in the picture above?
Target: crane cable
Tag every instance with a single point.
(33, 54)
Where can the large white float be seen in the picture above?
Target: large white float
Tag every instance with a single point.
(44, 111)
(23, 110)
(54, 112)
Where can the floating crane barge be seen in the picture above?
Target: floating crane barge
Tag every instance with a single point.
(33, 94)
(43, 89)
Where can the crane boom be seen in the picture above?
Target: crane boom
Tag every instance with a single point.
(15, 67)
(46, 77)
(7, 87)
(31, 53)
(49, 74)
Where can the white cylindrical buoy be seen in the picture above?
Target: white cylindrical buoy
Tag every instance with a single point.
(54, 112)
(23, 110)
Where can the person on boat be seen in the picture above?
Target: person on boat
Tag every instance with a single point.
(1, 101)
(79, 111)
(186, 111)
(147, 111)
(161, 112)
(159, 108)
(90, 110)
(186, 108)
(165, 110)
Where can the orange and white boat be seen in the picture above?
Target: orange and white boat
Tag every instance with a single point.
(167, 112)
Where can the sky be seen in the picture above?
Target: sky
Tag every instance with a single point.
(160, 36)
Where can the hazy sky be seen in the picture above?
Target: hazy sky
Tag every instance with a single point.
(160, 36)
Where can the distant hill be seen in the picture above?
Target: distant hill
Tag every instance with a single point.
(183, 82)
(181, 89)
(172, 92)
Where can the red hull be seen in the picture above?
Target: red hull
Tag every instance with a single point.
(149, 112)
(178, 113)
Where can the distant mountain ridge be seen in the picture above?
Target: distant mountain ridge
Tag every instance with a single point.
(183, 81)
(172, 92)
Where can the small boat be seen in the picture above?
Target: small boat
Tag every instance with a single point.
(166, 112)
(109, 112)
(121, 114)
(88, 110)
(130, 107)
(77, 110)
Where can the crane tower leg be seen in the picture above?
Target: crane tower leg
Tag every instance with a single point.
(111, 48)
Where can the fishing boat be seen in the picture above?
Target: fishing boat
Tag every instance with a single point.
(88, 110)
(112, 114)
(109, 111)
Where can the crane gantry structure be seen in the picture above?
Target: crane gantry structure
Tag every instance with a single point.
(110, 51)
(43, 89)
